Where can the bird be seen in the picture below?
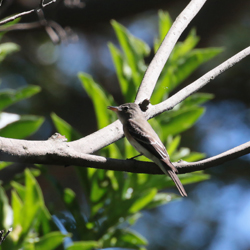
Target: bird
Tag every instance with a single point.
(145, 140)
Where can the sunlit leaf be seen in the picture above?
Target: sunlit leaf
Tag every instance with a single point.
(4, 164)
(99, 98)
(83, 245)
(50, 241)
(197, 99)
(165, 23)
(119, 62)
(179, 121)
(133, 237)
(143, 200)
(193, 177)
(173, 145)
(184, 66)
(7, 25)
(20, 189)
(17, 206)
(33, 201)
(182, 48)
(10, 96)
(180, 154)
(161, 199)
(25, 126)
(132, 63)
(5, 210)
(6, 49)
(194, 156)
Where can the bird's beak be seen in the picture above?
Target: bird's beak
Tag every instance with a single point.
(114, 108)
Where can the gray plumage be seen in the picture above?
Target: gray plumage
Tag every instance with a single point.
(144, 139)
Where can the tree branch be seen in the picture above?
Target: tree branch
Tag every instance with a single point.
(58, 152)
(12, 18)
(155, 67)
(55, 151)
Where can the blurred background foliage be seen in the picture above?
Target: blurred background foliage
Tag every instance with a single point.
(105, 209)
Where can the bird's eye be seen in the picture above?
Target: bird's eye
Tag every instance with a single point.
(125, 109)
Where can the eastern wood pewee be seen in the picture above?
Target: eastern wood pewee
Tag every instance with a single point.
(144, 139)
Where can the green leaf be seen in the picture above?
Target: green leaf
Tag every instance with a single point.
(97, 188)
(143, 200)
(182, 48)
(181, 120)
(9, 96)
(69, 195)
(194, 156)
(186, 65)
(83, 245)
(180, 154)
(17, 206)
(99, 98)
(119, 66)
(50, 241)
(7, 49)
(173, 144)
(176, 71)
(4, 164)
(161, 199)
(193, 177)
(64, 128)
(32, 211)
(133, 237)
(33, 201)
(5, 210)
(20, 189)
(165, 23)
(124, 74)
(7, 25)
(131, 66)
(25, 126)
(197, 99)
(134, 49)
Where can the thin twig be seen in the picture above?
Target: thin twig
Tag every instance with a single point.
(12, 18)
(46, 4)
(4, 237)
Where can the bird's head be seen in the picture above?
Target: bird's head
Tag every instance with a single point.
(126, 111)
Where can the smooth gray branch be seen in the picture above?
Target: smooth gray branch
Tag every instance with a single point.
(59, 152)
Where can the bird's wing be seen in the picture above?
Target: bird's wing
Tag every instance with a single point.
(147, 137)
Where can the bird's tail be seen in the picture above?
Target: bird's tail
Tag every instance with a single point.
(177, 182)
(169, 169)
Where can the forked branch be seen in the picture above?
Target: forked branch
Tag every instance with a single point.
(57, 151)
